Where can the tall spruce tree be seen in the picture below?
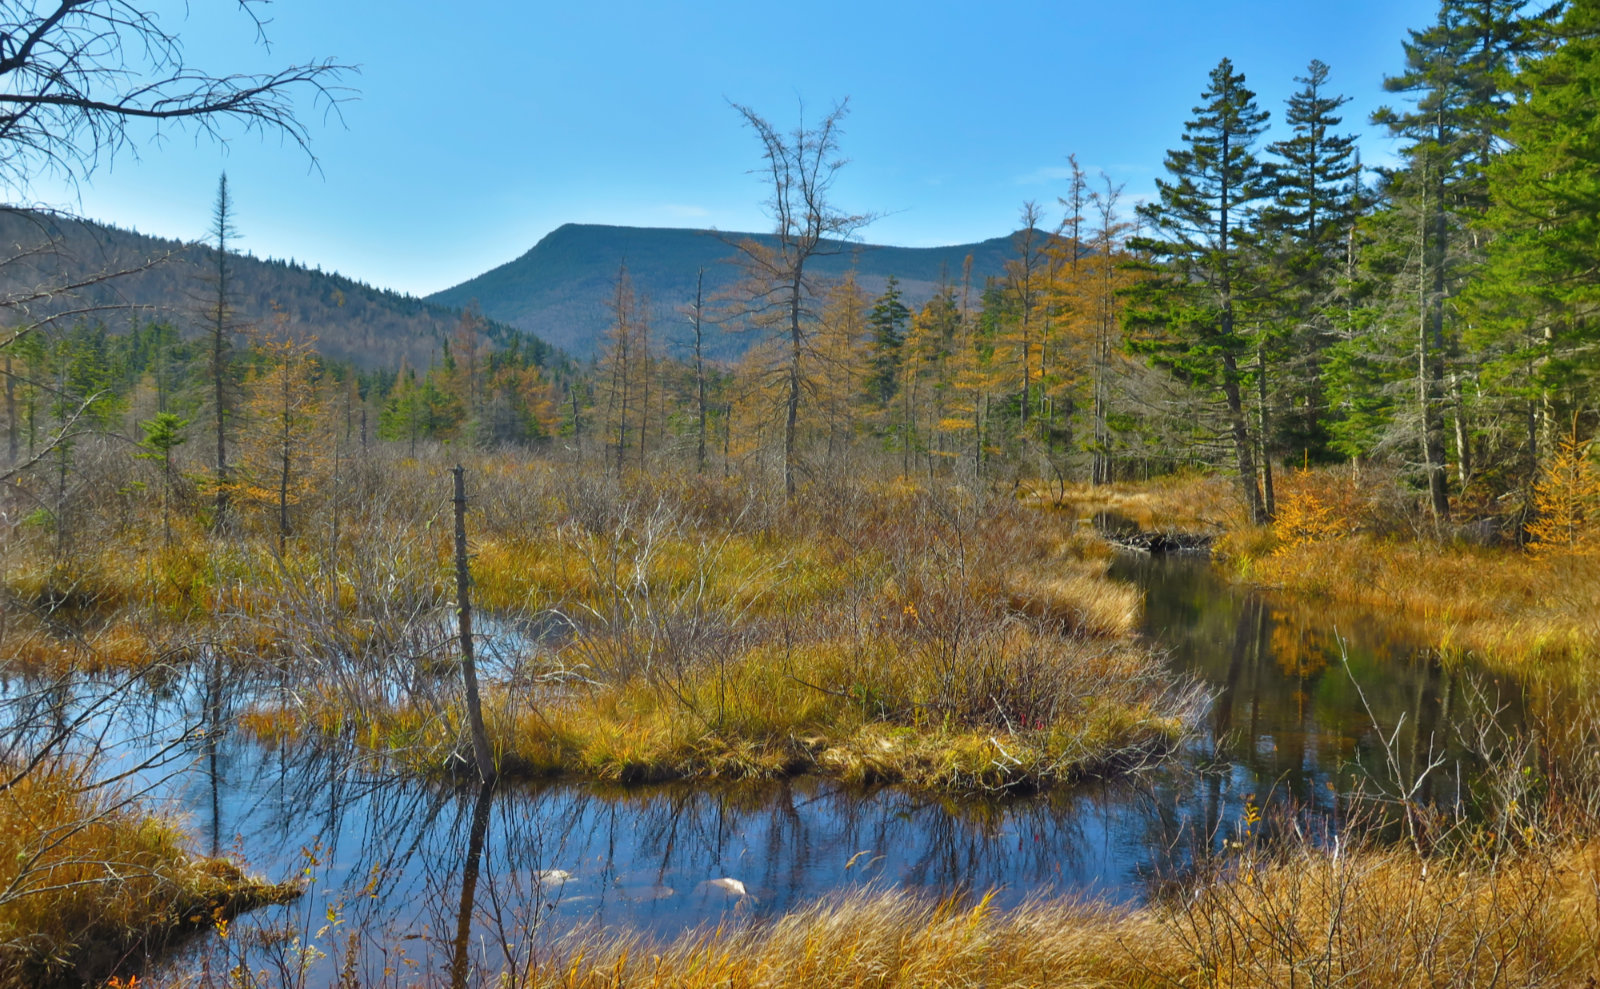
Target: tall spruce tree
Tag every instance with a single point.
(1026, 282)
(1540, 290)
(220, 331)
(1305, 235)
(888, 321)
(1455, 76)
(1187, 315)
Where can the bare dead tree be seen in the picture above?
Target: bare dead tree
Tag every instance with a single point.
(800, 169)
(79, 77)
(82, 80)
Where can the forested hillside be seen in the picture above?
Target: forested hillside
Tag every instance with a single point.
(169, 281)
(1275, 305)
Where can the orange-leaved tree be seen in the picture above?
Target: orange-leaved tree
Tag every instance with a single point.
(835, 366)
(280, 462)
(1566, 500)
(1314, 506)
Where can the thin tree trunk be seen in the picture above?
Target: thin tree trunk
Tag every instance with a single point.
(1463, 439)
(1430, 344)
(792, 413)
(1101, 473)
(699, 376)
(283, 503)
(577, 424)
(482, 754)
(336, 501)
(1244, 448)
(219, 353)
(219, 371)
(905, 440)
(644, 398)
(1230, 375)
(166, 496)
(1027, 345)
(12, 434)
(283, 478)
(1263, 425)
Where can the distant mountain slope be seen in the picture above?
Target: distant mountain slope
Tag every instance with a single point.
(559, 289)
(371, 328)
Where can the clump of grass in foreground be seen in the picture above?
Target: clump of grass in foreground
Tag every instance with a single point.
(86, 879)
(1362, 918)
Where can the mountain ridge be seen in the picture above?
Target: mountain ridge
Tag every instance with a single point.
(558, 289)
(557, 292)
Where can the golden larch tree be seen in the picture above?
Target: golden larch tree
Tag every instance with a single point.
(281, 462)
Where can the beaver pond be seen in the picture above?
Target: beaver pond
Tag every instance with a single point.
(1305, 710)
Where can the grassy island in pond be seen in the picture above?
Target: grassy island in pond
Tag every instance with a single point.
(685, 627)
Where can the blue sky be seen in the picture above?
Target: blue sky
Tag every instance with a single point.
(477, 130)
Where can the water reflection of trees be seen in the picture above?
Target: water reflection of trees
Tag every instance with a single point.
(1285, 732)
(467, 882)
(395, 859)
(1311, 705)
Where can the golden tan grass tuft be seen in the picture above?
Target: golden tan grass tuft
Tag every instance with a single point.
(85, 876)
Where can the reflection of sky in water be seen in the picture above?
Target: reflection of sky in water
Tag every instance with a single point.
(1287, 722)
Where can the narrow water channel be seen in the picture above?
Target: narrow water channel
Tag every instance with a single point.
(1303, 708)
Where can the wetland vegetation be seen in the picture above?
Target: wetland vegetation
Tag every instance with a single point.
(812, 664)
(1307, 781)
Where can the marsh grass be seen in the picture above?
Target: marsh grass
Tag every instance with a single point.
(1532, 613)
(877, 634)
(1185, 502)
(1349, 913)
(87, 880)
(1363, 917)
(691, 629)
(1039, 711)
(1507, 606)
(878, 631)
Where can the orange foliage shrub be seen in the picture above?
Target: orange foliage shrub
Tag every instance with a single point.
(1567, 500)
(1314, 506)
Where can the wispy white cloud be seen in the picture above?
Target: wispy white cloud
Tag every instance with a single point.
(1045, 175)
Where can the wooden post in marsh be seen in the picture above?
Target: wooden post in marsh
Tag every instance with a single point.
(469, 669)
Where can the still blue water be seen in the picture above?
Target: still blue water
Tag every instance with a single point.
(1299, 713)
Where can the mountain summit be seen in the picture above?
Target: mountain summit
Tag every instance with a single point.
(559, 289)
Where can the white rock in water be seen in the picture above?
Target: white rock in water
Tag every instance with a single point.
(554, 877)
(732, 887)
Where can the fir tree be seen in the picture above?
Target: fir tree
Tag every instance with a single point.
(888, 322)
(1305, 236)
(1541, 285)
(1188, 313)
(1455, 75)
